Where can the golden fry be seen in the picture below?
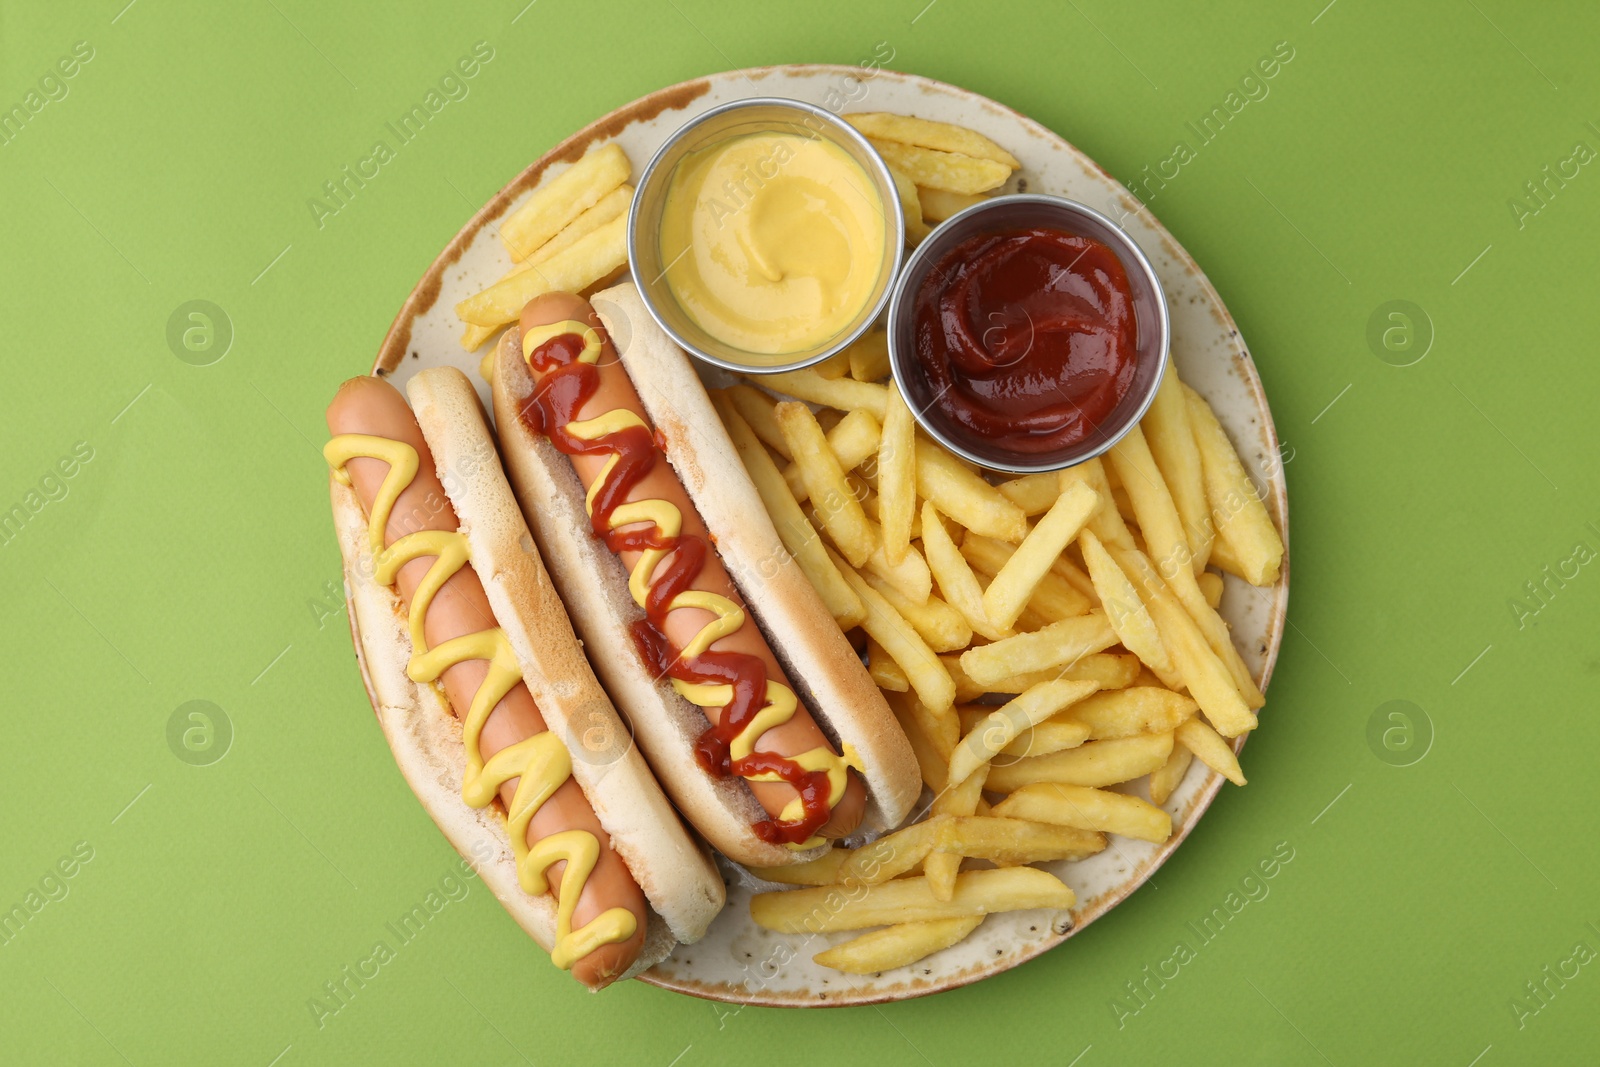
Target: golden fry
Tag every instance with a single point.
(1240, 516)
(1088, 808)
(1209, 747)
(1165, 779)
(897, 475)
(953, 171)
(965, 496)
(1001, 726)
(1097, 763)
(563, 199)
(1123, 606)
(897, 946)
(940, 204)
(926, 133)
(1020, 575)
(836, 505)
(1057, 645)
(1172, 443)
(1135, 710)
(956, 580)
(928, 678)
(571, 270)
(846, 394)
(792, 526)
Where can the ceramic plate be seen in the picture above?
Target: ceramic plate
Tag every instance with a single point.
(737, 961)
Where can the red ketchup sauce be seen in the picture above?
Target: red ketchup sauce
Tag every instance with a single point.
(1028, 338)
(564, 385)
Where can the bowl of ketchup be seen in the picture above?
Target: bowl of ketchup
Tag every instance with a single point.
(1028, 333)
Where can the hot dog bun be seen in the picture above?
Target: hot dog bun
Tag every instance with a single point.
(677, 877)
(814, 655)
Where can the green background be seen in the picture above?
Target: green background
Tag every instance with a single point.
(190, 558)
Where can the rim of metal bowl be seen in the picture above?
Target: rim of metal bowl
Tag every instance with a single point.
(887, 193)
(1126, 248)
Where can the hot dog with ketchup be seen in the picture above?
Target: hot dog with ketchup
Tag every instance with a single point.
(591, 858)
(750, 704)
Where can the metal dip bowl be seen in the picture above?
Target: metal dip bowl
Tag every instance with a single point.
(1005, 214)
(761, 115)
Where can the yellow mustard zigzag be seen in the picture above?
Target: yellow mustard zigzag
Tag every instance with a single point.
(541, 762)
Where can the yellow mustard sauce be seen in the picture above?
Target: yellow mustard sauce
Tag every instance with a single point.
(541, 763)
(668, 519)
(774, 241)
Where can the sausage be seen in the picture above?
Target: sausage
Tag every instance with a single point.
(616, 390)
(372, 406)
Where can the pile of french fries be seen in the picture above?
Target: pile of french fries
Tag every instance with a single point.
(938, 168)
(570, 236)
(1086, 600)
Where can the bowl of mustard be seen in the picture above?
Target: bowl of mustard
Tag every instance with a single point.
(765, 235)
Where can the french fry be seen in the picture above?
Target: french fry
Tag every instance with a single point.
(961, 797)
(1203, 674)
(966, 688)
(826, 909)
(926, 133)
(1211, 588)
(966, 497)
(1238, 512)
(869, 356)
(824, 870)
(852, 439)
(1011, 841)
(956, 580)
(1001, 726)
(896, 946)
(891, 855)
(835, 366)
(940, 204)
(1106, 523)
(885, 672)
(1011, 588)
(954, 171)
(897, 475)
(911, 575)
(1172, 443)
(1054, 598)
(1107, 670)
(1033, 493)
(756, 408)
(608, 207)
(1135, 710)
(1209, 747)
(1123, 606)
(572, 270)
(1164, 779)
(1169, 550)
(940, 625)
(563, 199)
(846, 394)
(793, 528)
(1052, 735)
(836, 505)
(927, 741)
(1057, 645)
(1096, 763)
(927, 676)
(1087, 808)
(910, 206)
(473, 336)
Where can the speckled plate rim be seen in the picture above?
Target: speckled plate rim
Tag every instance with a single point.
(681, 97)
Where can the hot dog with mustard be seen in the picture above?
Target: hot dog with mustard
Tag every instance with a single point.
(485, 695)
